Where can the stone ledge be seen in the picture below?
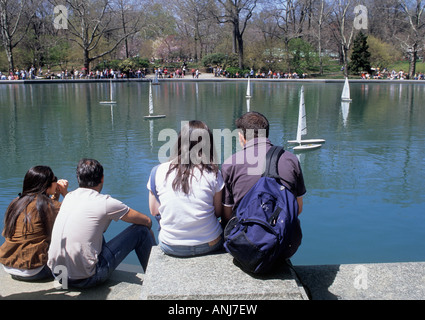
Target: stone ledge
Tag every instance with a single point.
(214, 277)
(124, 284)
(381, 281)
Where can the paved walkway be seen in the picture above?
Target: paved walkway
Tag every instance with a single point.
(124, 284)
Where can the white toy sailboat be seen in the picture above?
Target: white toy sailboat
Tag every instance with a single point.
(151, 114)
(346, 91)
(111, 92)
(302, 129)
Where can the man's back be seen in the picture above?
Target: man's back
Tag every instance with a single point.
(77, 235)
(243, 169)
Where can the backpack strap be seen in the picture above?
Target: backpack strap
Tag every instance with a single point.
(152, 182)
(272, 162)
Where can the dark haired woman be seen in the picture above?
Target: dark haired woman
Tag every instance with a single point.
(28, 225)
(189, 189)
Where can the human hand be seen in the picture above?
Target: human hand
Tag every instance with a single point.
(62, 187)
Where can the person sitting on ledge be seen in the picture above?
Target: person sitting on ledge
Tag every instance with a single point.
(78, 247)
(189, 189)
(28, 224)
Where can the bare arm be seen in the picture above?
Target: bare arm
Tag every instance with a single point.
(136, 217)
(300, 205)
(61, 189)
(227, 215)
(218, 207)
(153, 204)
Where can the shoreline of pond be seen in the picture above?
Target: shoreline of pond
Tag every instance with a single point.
(205, 78)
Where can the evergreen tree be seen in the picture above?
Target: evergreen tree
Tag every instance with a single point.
(360, 57)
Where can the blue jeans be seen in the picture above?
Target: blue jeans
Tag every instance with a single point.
(191, 251)
(135, 237)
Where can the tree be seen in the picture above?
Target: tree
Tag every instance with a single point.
(292, 18)
(320, 16)
(412, 36)
(12, 12)
(382, 54)
(343, 28)
(192, 21)
(360, 57)
(303, 55)
(91, 21)
(237, 13)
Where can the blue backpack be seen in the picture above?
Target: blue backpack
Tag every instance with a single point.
(265, 227)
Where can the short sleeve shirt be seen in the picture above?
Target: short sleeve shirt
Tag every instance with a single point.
(243, 169)
(77, 235)
(188, 219)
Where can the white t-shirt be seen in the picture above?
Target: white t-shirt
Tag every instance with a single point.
(77, 234)
(188, 219)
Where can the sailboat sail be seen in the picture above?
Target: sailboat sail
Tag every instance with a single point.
(302, 118)
(150, 100)
(302, 129)
(346, 91)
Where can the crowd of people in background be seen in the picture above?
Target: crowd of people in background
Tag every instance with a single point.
(391, 75)
(180, 72)
(220, 72)
(72, 74)
(183, 71)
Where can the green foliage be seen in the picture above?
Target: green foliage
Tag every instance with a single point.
(360, 57)
(58, 54)
(213, 59)
(221, 59)
(235, 72)
(133, 64)
(303, 56)
(298, 55)
(124, 65)
(382, 54)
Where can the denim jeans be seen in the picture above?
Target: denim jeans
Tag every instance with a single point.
(190, 251)
(135, 237)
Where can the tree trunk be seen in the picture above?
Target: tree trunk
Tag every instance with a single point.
(345, 59)
(10, 59)
(320, 53)
(240, 50)
(413, 56)
(87, 61)
(6, 38)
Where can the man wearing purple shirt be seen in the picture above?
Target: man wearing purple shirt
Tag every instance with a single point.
(243, 169)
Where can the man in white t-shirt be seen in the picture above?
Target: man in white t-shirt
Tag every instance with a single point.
(77, 244)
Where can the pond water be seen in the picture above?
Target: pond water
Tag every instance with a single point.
(364, 200)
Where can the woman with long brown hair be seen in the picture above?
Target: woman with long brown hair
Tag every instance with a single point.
(189, 189)
(28, 224)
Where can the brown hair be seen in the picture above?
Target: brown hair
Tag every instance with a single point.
(253, 121)
(36, 182)
(194, 148)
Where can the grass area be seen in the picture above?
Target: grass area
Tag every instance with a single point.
(404, 65)
(333, 69)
